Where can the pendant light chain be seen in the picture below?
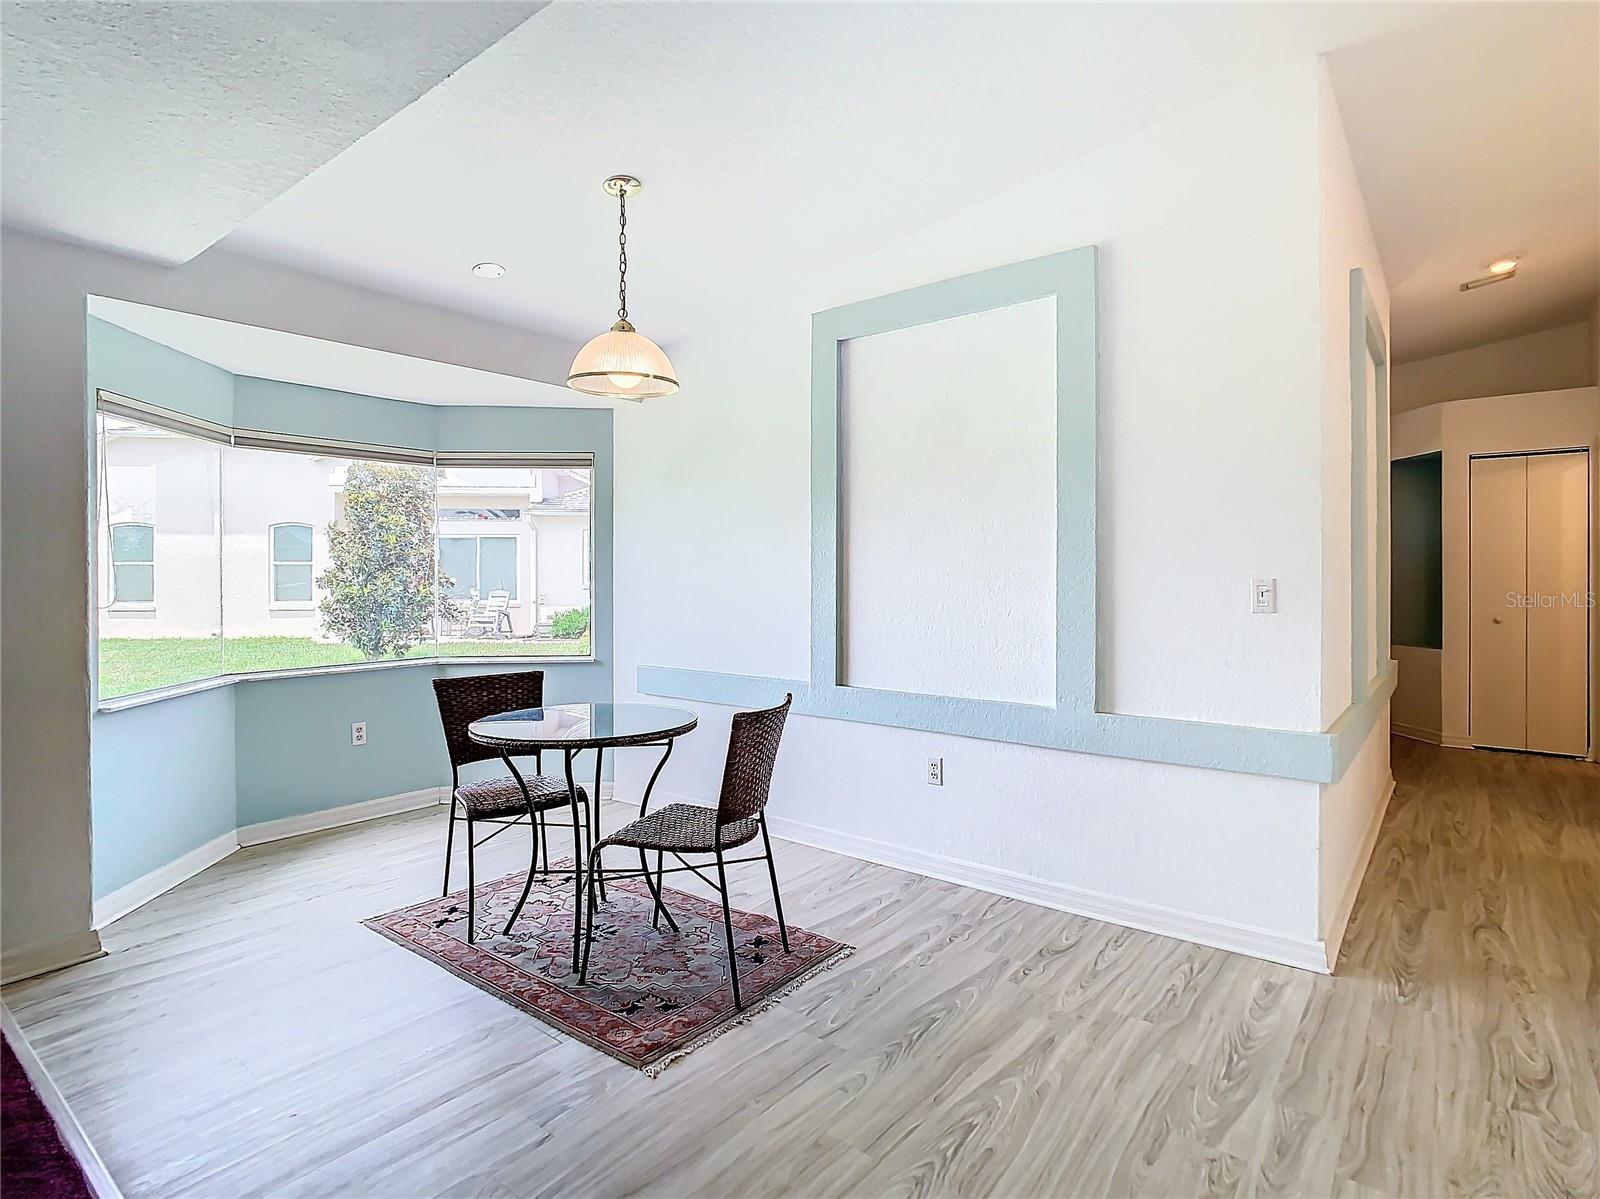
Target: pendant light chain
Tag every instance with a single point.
(622, 255)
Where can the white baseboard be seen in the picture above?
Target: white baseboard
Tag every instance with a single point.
(1333, 933)
(101, 1184)
(1130, 913)
(162, 879)
(1414, 733)
(355, 813)
(18, 964)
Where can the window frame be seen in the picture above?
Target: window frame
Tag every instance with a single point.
(273, 562)
(120, 605)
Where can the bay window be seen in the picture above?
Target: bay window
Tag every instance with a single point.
(369, 554)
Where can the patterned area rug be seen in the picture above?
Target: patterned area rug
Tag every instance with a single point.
(652, 996)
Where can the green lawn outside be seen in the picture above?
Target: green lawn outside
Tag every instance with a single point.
(133, 664)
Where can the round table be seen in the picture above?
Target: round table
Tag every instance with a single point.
(571, 729)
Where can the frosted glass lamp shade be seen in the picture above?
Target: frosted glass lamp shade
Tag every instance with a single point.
(621, 364)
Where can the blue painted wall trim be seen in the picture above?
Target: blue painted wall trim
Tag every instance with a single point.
(1075, 722)
(1068, 277)
(1368, 340)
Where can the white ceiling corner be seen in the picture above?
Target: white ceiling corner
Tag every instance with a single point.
(154, 129)
(1473, 137)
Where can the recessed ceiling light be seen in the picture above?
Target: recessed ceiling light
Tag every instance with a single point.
(1502, 266)
(488, 270)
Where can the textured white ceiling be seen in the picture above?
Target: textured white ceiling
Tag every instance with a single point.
(1475, 137)
(155, 129)
(773, 139)
(293, 358)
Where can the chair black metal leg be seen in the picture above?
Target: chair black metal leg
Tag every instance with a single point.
(727, 924)
(655, 892)
(599, 761)
(472, 887)
(544, 839)
(449, 846)
(772, 872)
(577, 861)
(588, 934)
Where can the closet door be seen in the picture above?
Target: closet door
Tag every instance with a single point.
(1558, 623)
(1498, 669)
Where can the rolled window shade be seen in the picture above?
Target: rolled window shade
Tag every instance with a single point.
(112, 404)
(500, 458)
(255, 439)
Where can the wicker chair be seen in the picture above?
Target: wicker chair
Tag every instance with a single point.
(680, 828)
(510, 799)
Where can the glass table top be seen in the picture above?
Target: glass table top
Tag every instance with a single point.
(582, 725)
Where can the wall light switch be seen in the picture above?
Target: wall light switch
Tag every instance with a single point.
(1263, 596)
(358, 733)
(935, 772)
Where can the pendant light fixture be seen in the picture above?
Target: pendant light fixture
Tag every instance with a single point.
(622, 364)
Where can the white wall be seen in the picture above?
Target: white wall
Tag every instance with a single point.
(561, 580)
(44, 801)
(1211, 443)
(1549, 360)
(171, 484)
(1491, 425)
(262, 489)
(1351, 808)
(947, 508)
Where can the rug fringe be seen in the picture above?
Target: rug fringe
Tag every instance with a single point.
(654, 1069)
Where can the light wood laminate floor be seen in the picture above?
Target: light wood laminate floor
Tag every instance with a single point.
(247, 1036)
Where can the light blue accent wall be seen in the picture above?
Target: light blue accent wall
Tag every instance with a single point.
(1075, 721)
(293, 740)
(170, 776)
(161, 784)
(142, 369)
(268, 406)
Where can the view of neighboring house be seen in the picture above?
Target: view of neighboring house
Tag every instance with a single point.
(523, 532)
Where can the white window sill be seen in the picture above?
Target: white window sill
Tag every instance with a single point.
(293, 607)
(140, 699)
(114, 608)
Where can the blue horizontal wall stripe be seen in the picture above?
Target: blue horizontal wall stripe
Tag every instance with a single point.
(1318, 757)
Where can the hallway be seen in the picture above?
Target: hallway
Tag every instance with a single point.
(1476, 939)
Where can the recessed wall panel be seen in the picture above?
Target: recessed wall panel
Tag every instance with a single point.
(947, 507)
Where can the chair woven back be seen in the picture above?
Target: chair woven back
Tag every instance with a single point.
(463, 700)
(752, 752)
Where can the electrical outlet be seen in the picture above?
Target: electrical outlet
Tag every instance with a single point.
(935, 772)
(1263, 596)
(358, 733)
